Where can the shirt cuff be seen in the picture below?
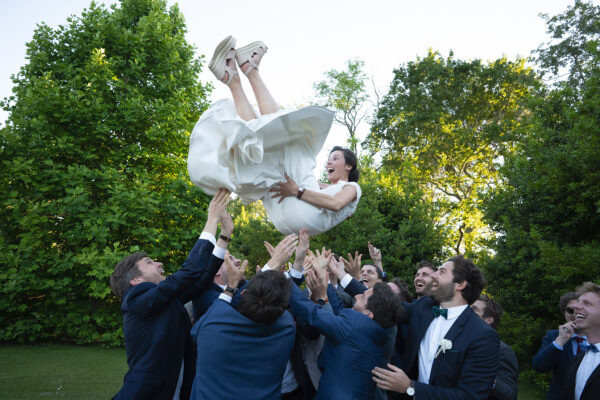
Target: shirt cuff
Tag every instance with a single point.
(345, 280)
(210, 237)
(265, 268)
(225, 297)
(296, 274)
(219, 252)
(558, 346)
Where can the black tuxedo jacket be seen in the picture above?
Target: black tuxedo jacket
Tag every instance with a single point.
(591, 390)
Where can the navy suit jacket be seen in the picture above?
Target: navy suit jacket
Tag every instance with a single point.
(207, 297)
(156, 328)
(591, 390)
(507, 380)
(353, 346)
(467, 371)
(549, 358)
(239, 358)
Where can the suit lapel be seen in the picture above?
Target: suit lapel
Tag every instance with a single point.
(452, 333)
(593, 376)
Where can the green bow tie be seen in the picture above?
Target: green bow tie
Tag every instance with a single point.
(437, 311)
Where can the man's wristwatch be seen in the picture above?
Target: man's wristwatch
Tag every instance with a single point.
(225, 238)
(322, 301)
(230, 290)
(301, 190)
(410, 390)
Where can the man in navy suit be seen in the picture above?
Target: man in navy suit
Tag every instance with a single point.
(452, 353)
(582, 381)
(355, 338)
(156, 325)
(559, 347)
(243, 352)
(506, 385)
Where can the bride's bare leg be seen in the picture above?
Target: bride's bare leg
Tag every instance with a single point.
(242, 105)
(264, 98)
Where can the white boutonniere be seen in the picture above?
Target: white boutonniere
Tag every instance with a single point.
(445, 344)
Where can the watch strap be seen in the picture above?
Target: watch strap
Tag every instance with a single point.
(225, 238)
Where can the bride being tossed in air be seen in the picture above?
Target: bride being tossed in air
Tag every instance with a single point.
(271, 156)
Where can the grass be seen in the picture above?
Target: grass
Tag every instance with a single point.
(77, 372)
(60, 372)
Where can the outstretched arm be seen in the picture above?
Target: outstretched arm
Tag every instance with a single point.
(334, 203)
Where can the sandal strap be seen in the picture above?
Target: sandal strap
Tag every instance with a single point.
(231, 71)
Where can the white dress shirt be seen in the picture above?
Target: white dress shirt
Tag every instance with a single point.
(589, 363)
(431, 341)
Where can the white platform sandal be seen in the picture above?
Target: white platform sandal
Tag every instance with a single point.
(247, 53)
(218, 63)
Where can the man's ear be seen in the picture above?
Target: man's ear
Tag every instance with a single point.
(489, 320)
(461, 285)
(135, 281)
(368, 313)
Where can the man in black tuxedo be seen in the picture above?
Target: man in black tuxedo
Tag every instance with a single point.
(506, 385)
(156, 326)
(451, 352)
(582, 381)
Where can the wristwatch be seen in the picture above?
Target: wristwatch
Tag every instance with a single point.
(301, 190)
(230, 290)
(225, 238)
(322, 301)
(410, 390)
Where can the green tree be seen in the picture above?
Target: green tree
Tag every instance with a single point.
(345, 92)
(547, 215)
(93, 166)
(450, 122)
(568, 57)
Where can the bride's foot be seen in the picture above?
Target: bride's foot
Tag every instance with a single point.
(222, 64)
(248, 57)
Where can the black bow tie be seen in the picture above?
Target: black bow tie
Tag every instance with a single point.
(437, 311)
(588, 347)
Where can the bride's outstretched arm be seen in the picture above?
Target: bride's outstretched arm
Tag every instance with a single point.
(334, 203)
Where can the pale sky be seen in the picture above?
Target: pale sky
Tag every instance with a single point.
(308, 37)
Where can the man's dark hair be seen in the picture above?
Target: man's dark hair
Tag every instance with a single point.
(424, 263)
(379, 270)
(565, 299)
(386, 307)
(349, 159)
(492, 309)
(125, 270)
(404, 290)
(465, 270)
(266, 297)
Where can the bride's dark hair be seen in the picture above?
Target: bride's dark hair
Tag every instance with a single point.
(350, 159)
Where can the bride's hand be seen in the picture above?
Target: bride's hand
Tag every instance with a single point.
(284, 189)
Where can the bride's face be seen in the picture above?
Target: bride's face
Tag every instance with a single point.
(337, 169)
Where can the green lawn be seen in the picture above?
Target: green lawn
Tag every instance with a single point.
(77, 372)
(60, 372)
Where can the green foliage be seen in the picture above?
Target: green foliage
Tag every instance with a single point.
(93, 167)
(449, 122)
(575, 40)
(345, 92)
(547, 216)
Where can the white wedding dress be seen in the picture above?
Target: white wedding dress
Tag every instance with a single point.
(249, 157)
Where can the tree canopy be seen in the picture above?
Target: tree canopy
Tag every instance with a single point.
(93, 166)
(451, 121)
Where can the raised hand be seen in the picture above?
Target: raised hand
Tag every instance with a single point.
(321, 259)
(353, 265)
(269, 247)
(283, 251)
(302, 249)
(317, 284)
(336, 268)
(217, 206)
(375, 255)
